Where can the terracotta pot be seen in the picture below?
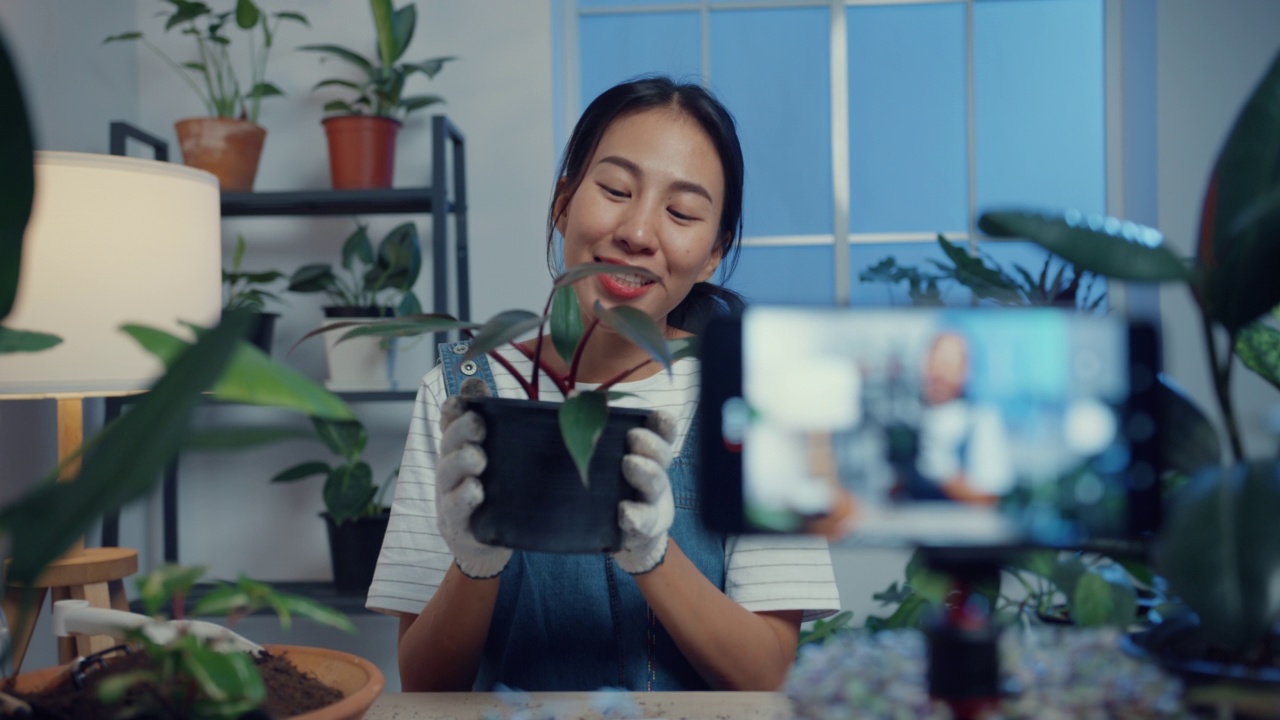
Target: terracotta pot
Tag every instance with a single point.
(550, 511)
(362, 151)
(226, 147)
(359, 680)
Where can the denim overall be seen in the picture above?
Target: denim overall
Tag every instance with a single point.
(578, 622)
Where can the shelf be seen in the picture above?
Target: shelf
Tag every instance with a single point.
(328, 202)
(321, 592)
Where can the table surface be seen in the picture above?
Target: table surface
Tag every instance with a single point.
(582, 706)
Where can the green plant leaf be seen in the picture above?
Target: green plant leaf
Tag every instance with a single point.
(1106, 246)
(235, 438)
(316, 612)
(340, 106)
(160, 585)
(586, 270)
(357, 247)
(1189, 441)
(914, 612)
(403, 23)
(409, 326)
(501, 329)
(417, 102)
(336, 82)
(1068, 574)
(409, 306)
(348, 491)
(1219, 549)
(265, 89)
(135, 35)
(17, 182)
(338, 51)
(112, 688)
(400, 257)
(247, 14)
(126, 459)
(302, 471)
(639, 328)
(251, 377)
(224, 599)
(345, 438)
(1040, 562)
(1258, 347)
(13, 341)
(1104, 596)
(384, 25)
(1238, 243)
(430, 67)
(982, 280)
(295, 16)
(227, 677)
(582, 420)
(316, 277)
(566, 322)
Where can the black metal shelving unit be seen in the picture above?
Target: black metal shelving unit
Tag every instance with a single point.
(444, 199)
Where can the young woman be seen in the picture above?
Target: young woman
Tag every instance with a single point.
(652, 178)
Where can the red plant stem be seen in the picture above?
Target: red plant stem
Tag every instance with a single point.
(620, 376)
(537, 350)
(572, 380)
(1222, 384)
(556, 378)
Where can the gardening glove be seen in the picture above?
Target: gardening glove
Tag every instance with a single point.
(645, 522)
(458, 490)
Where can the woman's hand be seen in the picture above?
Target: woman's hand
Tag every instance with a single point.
(458, 491)
(645, 522)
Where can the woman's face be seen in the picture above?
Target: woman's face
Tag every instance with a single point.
(650, 197)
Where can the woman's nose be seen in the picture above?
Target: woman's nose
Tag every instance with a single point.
(636, 229)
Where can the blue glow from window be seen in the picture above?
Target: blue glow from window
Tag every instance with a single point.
(785, 275)
(614, 48)
(771, 68)
(908, 164)
(1039, 104)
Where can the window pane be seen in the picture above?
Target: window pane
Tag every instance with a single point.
(792, 275)
(632, 3)
(1039, 104)
(772, 69)
(907, 256)
(908, 167)
(614, 48)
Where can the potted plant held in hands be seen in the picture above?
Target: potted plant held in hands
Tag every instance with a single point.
(362, 131)
(571, 503)
(354, 515)
(372, 283)
(228, 140)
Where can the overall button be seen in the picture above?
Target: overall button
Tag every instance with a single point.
(468, 367)
(458, 348)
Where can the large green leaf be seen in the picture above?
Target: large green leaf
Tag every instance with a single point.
(582, 420)
(227, 677)
(566, 322)
(160, 585)
(586, 270)
(982, 280)
(126, 460)
(384, 24)
(13, 341)
(399, 257)
(501, 329)
(1104, 596)
(346, 438)
(1219, 549)
(1243, 249)
(312, 610)
(247, 14)
(17, 182)
(639, 328)
(316, 277)
(1258, 347)
(251, 377)
(1106, 246)
(403, 24)
(1189, 441)
(348, 491)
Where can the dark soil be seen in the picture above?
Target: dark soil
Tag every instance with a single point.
(289, 692)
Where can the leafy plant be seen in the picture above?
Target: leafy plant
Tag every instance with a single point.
(202, 681)
(584, 413)
(384, 278)
(349, 490)
(219, 88)
(1220, 546)
(381, 90)
(1067, 285)
(241, 288)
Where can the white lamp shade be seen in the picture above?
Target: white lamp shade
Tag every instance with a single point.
(112, 240)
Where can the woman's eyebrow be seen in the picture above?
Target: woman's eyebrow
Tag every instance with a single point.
(678, 186)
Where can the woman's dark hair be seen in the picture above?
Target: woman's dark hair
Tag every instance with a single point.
(705, 300)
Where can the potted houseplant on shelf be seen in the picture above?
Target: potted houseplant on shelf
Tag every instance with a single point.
(1220, 546)
(372, 283)
(243, 289)
(228, 140)
(197, 669)
(362, 130)
(355, 517)
(577, 444)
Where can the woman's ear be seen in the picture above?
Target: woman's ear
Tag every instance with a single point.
(713, 262)
(561, 204)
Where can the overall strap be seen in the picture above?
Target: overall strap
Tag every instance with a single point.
(458, 371)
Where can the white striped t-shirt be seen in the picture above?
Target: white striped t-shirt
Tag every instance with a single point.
(763, 572)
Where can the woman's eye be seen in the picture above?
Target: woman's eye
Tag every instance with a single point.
(679, 215)
(615, 192)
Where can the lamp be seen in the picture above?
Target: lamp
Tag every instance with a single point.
(111, 240)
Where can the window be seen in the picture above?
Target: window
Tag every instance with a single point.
(871, 126)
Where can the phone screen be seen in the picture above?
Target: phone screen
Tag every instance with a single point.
(946, 427)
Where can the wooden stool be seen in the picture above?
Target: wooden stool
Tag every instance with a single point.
(93, 574)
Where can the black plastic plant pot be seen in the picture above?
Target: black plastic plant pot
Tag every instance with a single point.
(350, 311)
(261, 331)
(353, 549)
(534, 498)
